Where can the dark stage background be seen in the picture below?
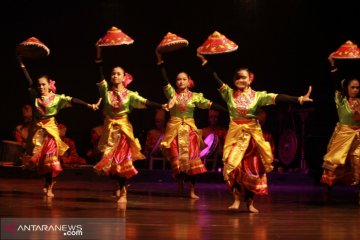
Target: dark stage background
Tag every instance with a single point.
(285, 43)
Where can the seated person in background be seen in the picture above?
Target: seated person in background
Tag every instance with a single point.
(71, 156)
(267, 135)
(94, 154)
(154, 136)
(21, 131)
(215, 128)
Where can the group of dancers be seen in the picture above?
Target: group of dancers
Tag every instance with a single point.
(247, 156)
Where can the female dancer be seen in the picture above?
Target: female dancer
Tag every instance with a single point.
(342, 160)
(247, 156)
(117, 143)
(182, 142)
(44, 145)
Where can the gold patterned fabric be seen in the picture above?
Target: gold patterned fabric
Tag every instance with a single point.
(179, 128)
(36, 136)
(119, 147)
(172, 130)
(237, 141)
(43, 147)
(341, 162)
(341, 142)
(110, 136)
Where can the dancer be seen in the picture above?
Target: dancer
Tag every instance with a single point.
(243, 173)
(117, 143)
(44, 145)
(342, 160)
(182, 142)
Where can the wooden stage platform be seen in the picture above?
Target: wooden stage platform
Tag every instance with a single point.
(294, 209)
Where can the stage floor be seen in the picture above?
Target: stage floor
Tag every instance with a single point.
(294, 209)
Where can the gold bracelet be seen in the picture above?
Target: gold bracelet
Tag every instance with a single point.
(204, 62)
(98, 60)
(160, 62)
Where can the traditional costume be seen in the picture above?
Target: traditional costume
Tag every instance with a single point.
(342, 160)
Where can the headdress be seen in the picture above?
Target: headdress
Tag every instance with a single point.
(128, 79)
(191, 83)
(251, 76)
(52, 86)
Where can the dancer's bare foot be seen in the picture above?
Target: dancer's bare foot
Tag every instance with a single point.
(252, 209)
(250, 206)
(355, 183)
(48, 192)
(122, 195)
(122, 199)
(236, 203)
(193, 195)
(192, 192)
(117, 193)
(121, 206)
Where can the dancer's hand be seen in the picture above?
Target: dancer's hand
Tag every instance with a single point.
(306, 97)
(158, 56)
(165, 107)
(19, 58)
(95, 106)
(331, 60)
(98, 49)
(199, 55)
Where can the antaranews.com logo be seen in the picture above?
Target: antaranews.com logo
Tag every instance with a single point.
(62, 228)
(41, 228)
(67, 230)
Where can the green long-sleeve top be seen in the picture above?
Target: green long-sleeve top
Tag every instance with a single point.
(117, 104)
(246, 104)
(185, 102)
